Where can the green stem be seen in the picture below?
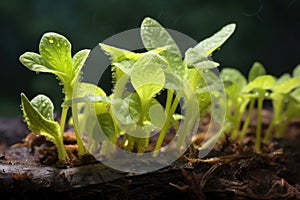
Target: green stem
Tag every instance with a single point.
(237, 124)
(258, 126)
(81, 149)
(63, 119)
(280, 130)
(62, 154)
(248, 119)
(269, 131)
(170, 109)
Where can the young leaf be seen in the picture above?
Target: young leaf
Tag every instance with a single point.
(127, 111)
(234, 76)
(55, 49)
(77, 62)
(287, 86)
(147, 80)
(36, 63)
(152, 57)
(117, 54)
(157, 115)
(38, 124)
(44, 105)
(283, 78)
(194, 58)
(155, 36)
(296, 71)
(296, 95)
(125, 65)
(209, 45)
(262, 83)
(107, 125)
(173, 81)
(256, 70)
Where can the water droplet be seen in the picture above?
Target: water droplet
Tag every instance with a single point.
(267, 94)
(58, 45)
(256, 94)
(51, 41)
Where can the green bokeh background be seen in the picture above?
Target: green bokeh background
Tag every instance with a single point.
(267, 31)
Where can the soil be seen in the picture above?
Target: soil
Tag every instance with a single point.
(29, 168)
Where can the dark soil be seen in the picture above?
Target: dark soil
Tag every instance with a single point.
(29, 169)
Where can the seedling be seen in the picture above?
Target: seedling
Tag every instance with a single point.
(55, 57)
(241, 94)
(285, 100)
(161, 68)
(132, 114)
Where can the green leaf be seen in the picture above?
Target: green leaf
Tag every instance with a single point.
(296, 71)
(157, 115)
(127, 111)
(209, 45)
(125, 65)
(283, 78)
(36, 63)
(287, 86)
(296, 95)
(256, 70)
(173, 81)
(154, 36)
(44, 106)
(209, 88)
(117, 54)
(37, 123)
(193, 56)
(78, 61)
(147, 80)
(234, 76)
(55, 49)
(151, 58)
(107, 125)
(264, 82)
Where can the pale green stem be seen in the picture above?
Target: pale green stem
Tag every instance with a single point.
(258, 125)
(269, 131)
(248, 119)
(170, 109)
(63, 118)
(62, 154)
(237, 124)
(81, 149)
(281, 129)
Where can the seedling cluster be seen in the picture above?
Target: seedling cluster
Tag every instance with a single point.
(243, 95)
(134, 115)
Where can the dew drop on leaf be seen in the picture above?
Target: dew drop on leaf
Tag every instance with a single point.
(267, 94)
(50, 41)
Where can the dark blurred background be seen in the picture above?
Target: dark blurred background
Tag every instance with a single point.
(267, 31)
